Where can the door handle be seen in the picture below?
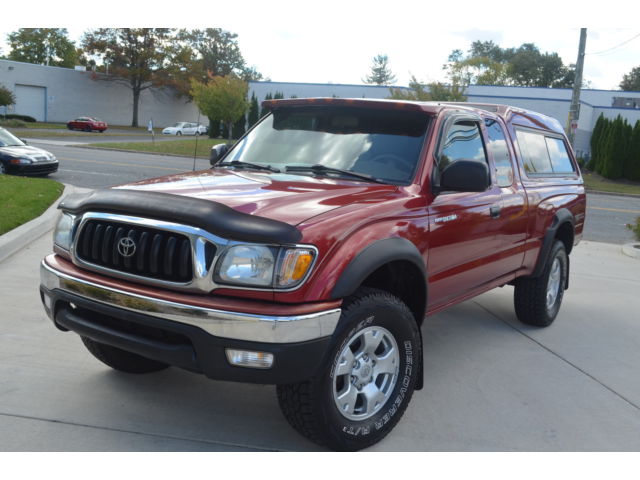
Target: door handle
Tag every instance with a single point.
(495, 211)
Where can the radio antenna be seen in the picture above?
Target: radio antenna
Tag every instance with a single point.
(195, 150)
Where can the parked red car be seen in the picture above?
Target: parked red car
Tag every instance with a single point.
(87, 124)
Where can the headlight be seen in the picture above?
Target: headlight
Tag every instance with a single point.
(248, 265)
(63, 234)
(21, 161)
(265, 266)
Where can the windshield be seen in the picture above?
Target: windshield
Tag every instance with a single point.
(381, 144)
(8, 140)
(179, 124)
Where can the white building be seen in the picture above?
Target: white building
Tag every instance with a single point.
(553, 102)
(54, 94)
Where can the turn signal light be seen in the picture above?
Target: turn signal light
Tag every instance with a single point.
(246, 358)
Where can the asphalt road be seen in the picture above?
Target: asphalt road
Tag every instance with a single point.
(94, 168)
(607, 215)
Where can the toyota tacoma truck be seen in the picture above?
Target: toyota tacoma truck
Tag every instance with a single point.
(310, 253)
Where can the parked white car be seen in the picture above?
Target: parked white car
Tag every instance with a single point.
(185, 128)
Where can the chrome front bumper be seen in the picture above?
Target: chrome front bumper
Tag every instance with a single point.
(220, 323)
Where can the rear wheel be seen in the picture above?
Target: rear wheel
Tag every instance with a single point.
(87, 129)
(537, 300)
(121, 359)
(368, 380)
(179, 133)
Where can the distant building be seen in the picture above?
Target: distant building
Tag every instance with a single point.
(54, 94)
(553, 102)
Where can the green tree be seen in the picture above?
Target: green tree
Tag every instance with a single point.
(632, 167)
(264, 111)
(631, 81)
(201, 53)
(488, 64)
(254, 111)
(135, 56)
(240, 127)
(603, 144)
(223, 98)
(44, 46)
(615, 150)
(431, 92)
(380, 74)
(594, 141)
(6, 96)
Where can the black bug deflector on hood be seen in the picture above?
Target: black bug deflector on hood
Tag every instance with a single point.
(211, 216)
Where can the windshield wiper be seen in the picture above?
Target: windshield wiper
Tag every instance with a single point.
(238, 163)
(323, 169)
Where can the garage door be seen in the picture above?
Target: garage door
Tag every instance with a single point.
(30, 101)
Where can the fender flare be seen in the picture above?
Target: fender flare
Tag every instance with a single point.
(373, 257)
(560, 217)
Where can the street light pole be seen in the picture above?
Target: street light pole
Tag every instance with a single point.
(574, 109)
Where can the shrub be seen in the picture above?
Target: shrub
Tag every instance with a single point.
(12, 123)
(635, 228)
(24, 118)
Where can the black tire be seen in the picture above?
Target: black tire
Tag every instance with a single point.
(179, 133)
(530, 298)
(122, 360)
(310, 406)
(87, 129)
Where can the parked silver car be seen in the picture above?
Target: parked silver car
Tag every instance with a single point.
(185, 128)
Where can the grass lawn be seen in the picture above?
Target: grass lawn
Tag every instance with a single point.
(23, 198)
(593, 181)
(176, 147)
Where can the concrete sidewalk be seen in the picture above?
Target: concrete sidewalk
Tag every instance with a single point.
(490, 382)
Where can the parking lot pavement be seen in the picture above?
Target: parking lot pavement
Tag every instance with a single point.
(490, 383)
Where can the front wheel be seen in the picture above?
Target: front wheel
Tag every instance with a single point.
(537, 300)
(368, 379)
(121, 359)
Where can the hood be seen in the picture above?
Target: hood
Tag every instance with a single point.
(26, 151)
(280, 196)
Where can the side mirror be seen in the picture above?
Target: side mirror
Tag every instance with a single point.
(23, 141)
(465, 176)
(218, 152)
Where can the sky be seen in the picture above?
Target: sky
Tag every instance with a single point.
(335, 41)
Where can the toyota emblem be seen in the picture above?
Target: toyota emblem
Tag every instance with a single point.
(126, 247)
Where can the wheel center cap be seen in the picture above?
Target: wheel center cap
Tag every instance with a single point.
(366, 371)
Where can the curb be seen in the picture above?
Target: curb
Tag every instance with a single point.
(18, 238)
(614, 194)
(632, 250)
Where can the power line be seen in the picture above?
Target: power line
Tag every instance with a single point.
(613, 48)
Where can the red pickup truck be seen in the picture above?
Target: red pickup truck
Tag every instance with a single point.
(309, 254)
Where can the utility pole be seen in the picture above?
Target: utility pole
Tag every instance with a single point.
(574, 109)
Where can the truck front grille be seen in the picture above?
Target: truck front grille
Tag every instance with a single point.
(149, 252)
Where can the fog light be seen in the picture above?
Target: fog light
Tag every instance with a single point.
(245, 358)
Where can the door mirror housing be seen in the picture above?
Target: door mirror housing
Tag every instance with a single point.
(465, 176)
(218, 152)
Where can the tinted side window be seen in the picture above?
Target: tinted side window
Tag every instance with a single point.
(462, 141)
(543, 155)
(534, 152)
(560, 161)
(497, 145)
